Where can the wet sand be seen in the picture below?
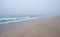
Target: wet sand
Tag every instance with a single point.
(45, 27)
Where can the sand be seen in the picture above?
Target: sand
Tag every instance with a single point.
(45, 27)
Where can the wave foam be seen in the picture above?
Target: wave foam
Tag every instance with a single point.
(17, 19)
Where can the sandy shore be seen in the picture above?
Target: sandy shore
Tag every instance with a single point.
(45, 27)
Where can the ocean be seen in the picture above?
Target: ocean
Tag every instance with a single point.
(9, 19)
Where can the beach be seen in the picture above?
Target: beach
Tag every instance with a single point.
(42, 27)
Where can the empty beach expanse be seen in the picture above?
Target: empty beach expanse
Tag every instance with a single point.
(44, 27)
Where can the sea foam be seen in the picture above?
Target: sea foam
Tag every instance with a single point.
(15, 19)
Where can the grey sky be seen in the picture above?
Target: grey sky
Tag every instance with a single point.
(29, 7)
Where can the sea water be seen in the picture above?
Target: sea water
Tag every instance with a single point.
(5, 20)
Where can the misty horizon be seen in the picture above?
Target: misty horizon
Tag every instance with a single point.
(29, 7)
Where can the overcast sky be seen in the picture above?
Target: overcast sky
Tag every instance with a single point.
(29, 7)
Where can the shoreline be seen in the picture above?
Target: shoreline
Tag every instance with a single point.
(44, 27)
(12, 25)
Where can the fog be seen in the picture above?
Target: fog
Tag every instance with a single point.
(29, 7)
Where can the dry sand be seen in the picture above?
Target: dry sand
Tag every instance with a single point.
(46, 27)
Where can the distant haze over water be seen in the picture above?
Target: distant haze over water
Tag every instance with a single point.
(29, 7)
